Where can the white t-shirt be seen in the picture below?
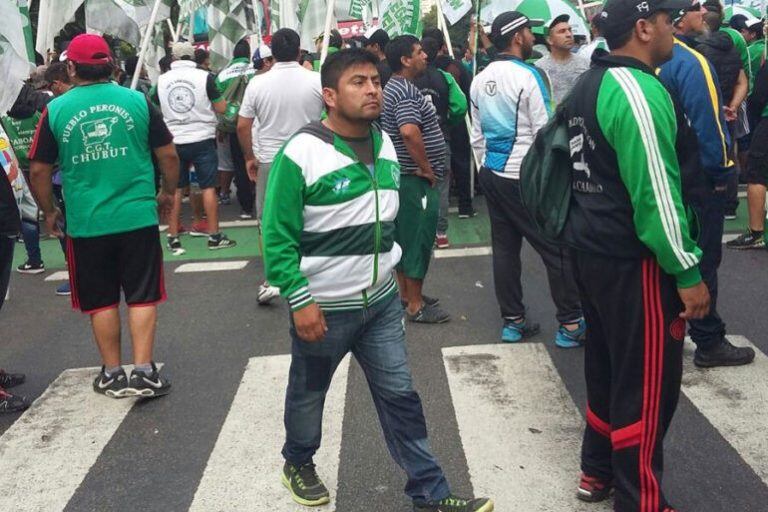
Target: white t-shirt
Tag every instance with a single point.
(280, 102)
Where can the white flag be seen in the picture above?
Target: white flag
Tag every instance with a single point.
(454, 10)
(312, 19)
(283, 14)
(14, 66)
(228, 22)
(51, 19)
(126, 19)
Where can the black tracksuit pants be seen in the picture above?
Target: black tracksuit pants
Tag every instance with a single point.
(633, 369)
(246, 190)
(510, 223)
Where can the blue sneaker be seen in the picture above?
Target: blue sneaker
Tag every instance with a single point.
(63, 290)
(571, 339)
(514, 331)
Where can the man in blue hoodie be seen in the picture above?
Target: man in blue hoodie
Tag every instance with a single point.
(694, 85)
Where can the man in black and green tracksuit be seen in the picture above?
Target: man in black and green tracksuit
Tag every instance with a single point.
(636, 263)
(329, 245)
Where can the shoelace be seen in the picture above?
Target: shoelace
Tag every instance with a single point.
(306, 475)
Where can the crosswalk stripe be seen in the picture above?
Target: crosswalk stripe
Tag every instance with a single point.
(520, 429)
(735, 401)
(463, 252)
(47, 452)
(61, 275)
(211, 266)
(243, 471)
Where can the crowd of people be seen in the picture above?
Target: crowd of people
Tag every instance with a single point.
(347, 165)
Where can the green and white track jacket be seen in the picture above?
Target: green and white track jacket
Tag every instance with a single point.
(329, 222)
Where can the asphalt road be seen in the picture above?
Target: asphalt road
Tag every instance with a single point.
(210, 328)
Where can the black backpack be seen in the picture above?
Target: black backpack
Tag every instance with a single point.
(545, 176)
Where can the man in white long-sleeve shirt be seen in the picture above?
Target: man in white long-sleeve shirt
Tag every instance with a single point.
(510, 103)
(277, 104)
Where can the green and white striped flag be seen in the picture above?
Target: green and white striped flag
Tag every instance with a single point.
(126, 19)
(228, 22)
(14, 66)
(358, 7)
(283, 14)
(399, 17)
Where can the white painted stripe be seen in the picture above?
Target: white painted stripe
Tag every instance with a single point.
(227, 224)
(730, 236)
(463, 252)
(61, 275)
(520, 429)
(742, 194)
(243, 471)
(211, 266)
(734, 401)
(48, 451)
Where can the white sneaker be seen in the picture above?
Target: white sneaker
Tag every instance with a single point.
(267, 293)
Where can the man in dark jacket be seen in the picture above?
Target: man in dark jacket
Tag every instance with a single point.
(692, 82)
(10, 224)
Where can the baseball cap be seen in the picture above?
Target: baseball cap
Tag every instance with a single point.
(262, 52)
(376, 35)
(563, 18)
(619, 16)
(182, 49)
(510, 22)
(89, 49)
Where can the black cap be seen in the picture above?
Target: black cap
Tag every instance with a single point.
(563, 18)
(376, 36)
(738, 22)
(510, 22)
(618, 16)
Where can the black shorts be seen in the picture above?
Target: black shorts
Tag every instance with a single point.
(99, 267)
(757, 161)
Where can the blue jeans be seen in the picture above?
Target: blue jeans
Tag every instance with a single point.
(204, 157)
(376, 337)
(30, 232)
(709, 208)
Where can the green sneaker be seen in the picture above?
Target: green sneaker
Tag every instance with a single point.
(305, 486)
(456, 504)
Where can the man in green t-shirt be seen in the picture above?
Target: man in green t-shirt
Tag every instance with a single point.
(103, 137)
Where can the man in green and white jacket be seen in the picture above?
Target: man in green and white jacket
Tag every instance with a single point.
(328, 228)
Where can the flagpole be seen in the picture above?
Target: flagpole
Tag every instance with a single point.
(478, 27)
(329, 4)
(145, 44)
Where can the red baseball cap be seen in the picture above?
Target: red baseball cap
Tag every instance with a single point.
(89, 49)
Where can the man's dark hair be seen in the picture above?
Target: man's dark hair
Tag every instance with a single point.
(501, 42)
(335, 39)
(57, 71)
(165, 64)
(242, 50)
(201, 55)
(431, 47)
(616, 41)
(336, 64)
(94, 72)
(130, 65)
(285, 45)
(713, 20)
(399, 47)
(436, 34)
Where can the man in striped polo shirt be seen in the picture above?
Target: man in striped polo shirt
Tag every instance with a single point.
(329, 244)
(411, 120)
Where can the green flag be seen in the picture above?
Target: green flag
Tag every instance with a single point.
(228, 22)
(24, 11)
(399, 17)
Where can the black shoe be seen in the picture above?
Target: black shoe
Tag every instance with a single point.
(748, 240)
(12, 403)
(174, 245)
(220, 241)
(429, 315)
(31, 268)
(305, 486)
(9, 380)
(148, 385)
(456, 504)
(723, 354)
(114, 386)
(428, 301)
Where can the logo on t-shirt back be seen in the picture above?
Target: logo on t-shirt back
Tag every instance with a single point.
(98, 130)
(181, 99)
